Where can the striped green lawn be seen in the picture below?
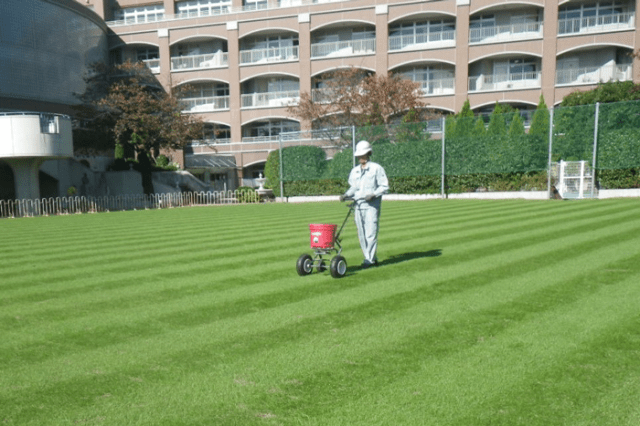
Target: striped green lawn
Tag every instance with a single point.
(482, 313)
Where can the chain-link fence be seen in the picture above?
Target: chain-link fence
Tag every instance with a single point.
(504, 152)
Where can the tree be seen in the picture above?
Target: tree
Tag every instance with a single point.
(353, 97)
(127, 105)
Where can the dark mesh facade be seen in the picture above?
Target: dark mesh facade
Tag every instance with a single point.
(45, 48)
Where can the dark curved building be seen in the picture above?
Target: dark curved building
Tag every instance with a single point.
(46, 47)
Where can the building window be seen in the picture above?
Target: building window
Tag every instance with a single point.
(203, 7)
(137, 15)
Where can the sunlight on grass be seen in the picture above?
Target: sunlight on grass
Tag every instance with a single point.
(481, 313)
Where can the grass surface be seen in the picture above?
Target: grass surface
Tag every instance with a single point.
(482, 313)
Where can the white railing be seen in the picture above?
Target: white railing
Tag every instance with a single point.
(616, 21)
(500, 33)
(441, 86)
(208, 60)
(153, 65)
(271, 99)
(593, 75)
(78, 205)
(213, 103)
(276, 54)
(343, 48)
(416, 41)
(224, 10)
(515, 81)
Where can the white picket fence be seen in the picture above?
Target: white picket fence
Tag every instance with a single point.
(78, 205)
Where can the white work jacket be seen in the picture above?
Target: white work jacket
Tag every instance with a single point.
(370, 179)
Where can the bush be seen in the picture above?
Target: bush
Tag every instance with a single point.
(246, 194)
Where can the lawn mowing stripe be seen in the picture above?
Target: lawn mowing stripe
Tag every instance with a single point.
(453, 260)
(128, 331)
(530, 324)
(483, 250)
(112, 264)
(213, 352)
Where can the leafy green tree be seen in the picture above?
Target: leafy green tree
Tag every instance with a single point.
(540, 120)
(128, 105)
(497, 122)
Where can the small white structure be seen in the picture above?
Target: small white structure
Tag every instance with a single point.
(28, 140)
(575, 180)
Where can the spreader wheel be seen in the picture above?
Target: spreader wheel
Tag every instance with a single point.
(304, 266)
(338, 267)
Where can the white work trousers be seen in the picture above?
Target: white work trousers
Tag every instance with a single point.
(367, 218)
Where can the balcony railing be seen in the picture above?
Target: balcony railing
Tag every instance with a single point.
(271, 99)
(209, 60)
(223, 10)
(207, 104)
(417, 41)
(593, 75)
(500, 33)
(276, 54)
(616, 21)
(153, 65)
(514, 81)
(441, 86)
(343, 48)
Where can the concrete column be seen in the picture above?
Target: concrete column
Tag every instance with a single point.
(549, 51)
(169, 7)
(462, 54)
(165, 59)
(304, 58)
(25, 175)
(382, 39)
(234, 81)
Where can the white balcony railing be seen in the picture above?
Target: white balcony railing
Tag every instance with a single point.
(209, 60)
(514, 81)
(153, 65)
(616, 21)
(594, 75)
(441, 86)
(276, 54)
(206, 104)
(501, 33)
(343, 48)
(423, 41)
(271, 99)
(223, 10)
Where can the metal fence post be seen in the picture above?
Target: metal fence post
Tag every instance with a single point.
(281, 166)
(550, 152)
(595, 150)
(442, 177)
(353, 143)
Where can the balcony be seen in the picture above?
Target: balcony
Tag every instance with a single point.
(503, 33)
(343, 48)
(511, 81)
(271, 99)
(431, 40)
(205, 104)
(276, 54)
(209, 60)
(153, 65)
(441, 86)
(593, 24)
(594, 75)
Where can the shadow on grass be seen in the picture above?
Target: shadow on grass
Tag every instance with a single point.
(399, 258)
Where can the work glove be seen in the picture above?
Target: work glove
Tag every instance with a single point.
(369, 197)
(341, 198)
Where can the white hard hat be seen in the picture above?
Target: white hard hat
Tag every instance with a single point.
(362, 148)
